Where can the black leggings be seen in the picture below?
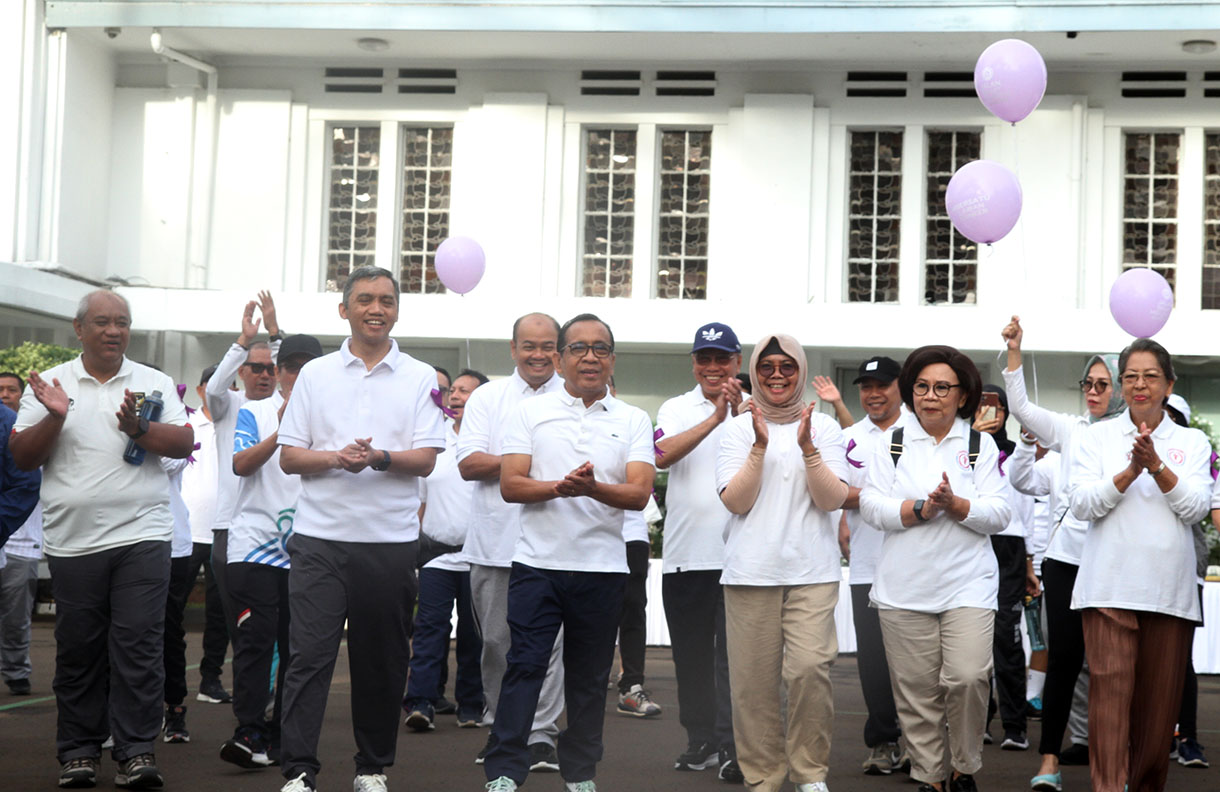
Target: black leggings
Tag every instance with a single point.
(1065, 652)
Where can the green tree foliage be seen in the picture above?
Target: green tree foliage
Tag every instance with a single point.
(34, 357)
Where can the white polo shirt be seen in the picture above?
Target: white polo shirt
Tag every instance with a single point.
(266, 499)
(335, 400)
(862, 439)
(784, 539)
(494, 524)
(91, 499)
(199, 480)
(695, 518)
(940, 564)
(447, 498)
(224, 403)
(1139, 553)
(560, 434)
(181, 545)
(27, 542)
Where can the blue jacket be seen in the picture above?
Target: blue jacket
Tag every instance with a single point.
(18, 489)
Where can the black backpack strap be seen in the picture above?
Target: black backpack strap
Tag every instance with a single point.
(896, 445)
(976, 441)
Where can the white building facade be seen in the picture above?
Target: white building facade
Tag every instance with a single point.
(779, 166)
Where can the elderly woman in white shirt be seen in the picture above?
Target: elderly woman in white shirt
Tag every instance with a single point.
(1142, 481)
(780, 473)
(936, 491)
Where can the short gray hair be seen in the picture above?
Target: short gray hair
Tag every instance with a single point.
(367, 273)
(82, 307)
(256, 345)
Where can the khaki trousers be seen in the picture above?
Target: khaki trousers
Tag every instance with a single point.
(781, 636)
(940, 666)
(1137, 663)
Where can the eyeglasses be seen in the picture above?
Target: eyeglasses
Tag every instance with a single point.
(707, 358)
(1149, 378)
(1101, 385)
(767, 368)
(941, 389)
(261, 368)
(580, 350)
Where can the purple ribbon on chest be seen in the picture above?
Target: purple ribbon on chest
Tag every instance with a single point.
(657, 435)
(1000, 465)
(851, 444)
(436, 399)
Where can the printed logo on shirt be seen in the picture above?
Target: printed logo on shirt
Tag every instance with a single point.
(1128, 456)
(963, 460)
(139, 399)
(813, 433)
(241, 619)
(1177, 456)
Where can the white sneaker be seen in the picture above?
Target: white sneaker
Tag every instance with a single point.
(816, 786)
(580, 786)
(501, 784)
(373, 782)
(297, 784)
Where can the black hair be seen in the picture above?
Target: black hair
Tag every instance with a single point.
(480, 376)
(967, 375)
(584, 317)
(1147, 345)
(17, 377)
(207, 374)
(521, 319)
(744, 381)
(367, 273)
(443, 370)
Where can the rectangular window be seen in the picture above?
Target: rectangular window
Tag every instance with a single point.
(682, 220)
(609, 212)
(427, 164)
(950, 260)
(1150, 202)
(1211, 220)
(874, 216)
(352, 209)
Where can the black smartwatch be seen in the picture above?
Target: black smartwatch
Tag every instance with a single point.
(384, 464)
(276, 337)
(141, 428)
(918, 509)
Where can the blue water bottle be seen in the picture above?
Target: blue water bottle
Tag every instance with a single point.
(150, 411)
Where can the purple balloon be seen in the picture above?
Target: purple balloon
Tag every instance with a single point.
(1010, 79)
(983, 200)
(1140, 301)
(460, 263)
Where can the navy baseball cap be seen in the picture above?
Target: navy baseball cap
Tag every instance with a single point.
(716, 336)
(884, 370)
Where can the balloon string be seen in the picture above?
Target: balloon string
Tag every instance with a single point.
(467, 353)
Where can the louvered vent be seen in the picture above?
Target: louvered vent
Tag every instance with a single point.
(343, 79)
(1154, 85)
(877, 83)
(685, 83)
(948, 84)
(427, 81)
(595, 82)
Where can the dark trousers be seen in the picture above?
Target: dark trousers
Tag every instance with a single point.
(694, 610)
(1065, 652)
(439, 589)
(109, 640)
(540, 601)
(220, 568)
(882, 724)
(215, 629)
(633, 625)
(1188, 714)
(368, 585)
(260, 593)
(1007, 649)
(180, 581)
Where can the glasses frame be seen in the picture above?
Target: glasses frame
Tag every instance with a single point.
(580, 349)
(941, 389)
(766, 369)
(1089, 386)
(260, 368)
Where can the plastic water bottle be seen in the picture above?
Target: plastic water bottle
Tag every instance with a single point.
(150, 409)
(1033, 623)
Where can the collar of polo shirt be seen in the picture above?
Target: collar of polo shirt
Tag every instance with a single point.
(78, 368)
(392, 358)
(568, 398)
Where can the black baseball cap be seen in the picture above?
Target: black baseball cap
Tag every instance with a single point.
(300, 344)
(716, 336)
(883, 369)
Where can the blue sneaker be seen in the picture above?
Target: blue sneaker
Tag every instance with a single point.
(1190, 753)
(1050, 782)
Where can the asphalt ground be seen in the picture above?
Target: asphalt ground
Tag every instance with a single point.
(639, 753)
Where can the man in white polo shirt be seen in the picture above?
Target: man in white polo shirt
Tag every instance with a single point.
(689, 428)
(575, 458)
(361, 429)
(495, 525)
(106, 532)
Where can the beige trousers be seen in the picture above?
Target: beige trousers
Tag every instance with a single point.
(940, 667)
(781, 636)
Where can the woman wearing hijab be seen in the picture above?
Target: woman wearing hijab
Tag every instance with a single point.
(780, 473)
(1064, 633)
(936, 491)
(1141, 481)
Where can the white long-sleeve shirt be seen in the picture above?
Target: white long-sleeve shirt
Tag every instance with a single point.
(940, 564)
(1036, 478)
(1139, 553)
(1056, 431)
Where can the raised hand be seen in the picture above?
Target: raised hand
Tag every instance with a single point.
(988, 426)
(52, 396)
(266, 307)
(825, 388)
(803, 438)
(1012, 333)
(249, 325)
(760, 428)
(728, 403)
(128, 414)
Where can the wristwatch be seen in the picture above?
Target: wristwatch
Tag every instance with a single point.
(1159, 470)
(276, 337)
(918, 509)
(384, 464)
(141, 427)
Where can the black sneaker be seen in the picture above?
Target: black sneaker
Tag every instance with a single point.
(543, 758)
(1015, 741)
(245, 751)
(18, 687)
(730, 771)
(79, 773)
(139, 772)
(419, 721)
(482, 754)
(1075, 754)
(174, 730)
(212, 692)
(963, 783)
(443, 706)
(698, 756)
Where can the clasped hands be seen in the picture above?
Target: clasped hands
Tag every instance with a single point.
(578, 483)
(1143, 452)
(940, 499)
(356, 456)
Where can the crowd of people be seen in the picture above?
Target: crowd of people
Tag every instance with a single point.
(365, 494)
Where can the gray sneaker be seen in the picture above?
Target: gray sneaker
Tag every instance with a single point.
(882, 759)
(139, 772)
(79, 773)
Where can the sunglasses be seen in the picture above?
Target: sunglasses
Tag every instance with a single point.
(261, 368)
(767, 368)
(1101, 385)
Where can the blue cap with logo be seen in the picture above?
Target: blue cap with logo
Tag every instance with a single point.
(716, 336)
